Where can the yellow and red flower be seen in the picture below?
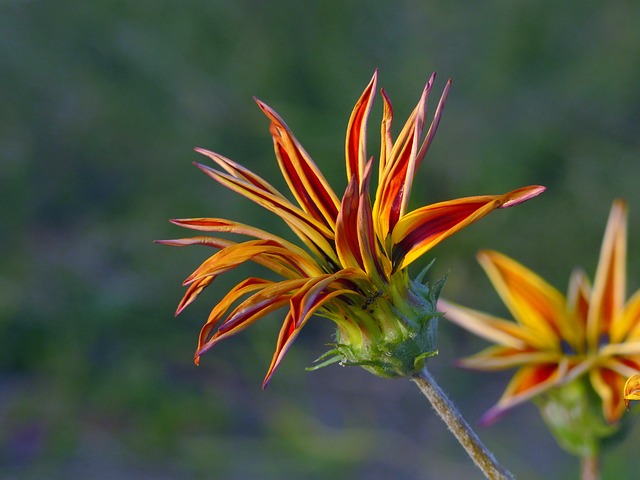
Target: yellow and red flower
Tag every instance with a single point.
(555, 339)
(354, 267)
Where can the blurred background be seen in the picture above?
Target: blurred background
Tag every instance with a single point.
(101, 104)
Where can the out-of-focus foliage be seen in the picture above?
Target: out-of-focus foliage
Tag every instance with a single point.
(101, 103)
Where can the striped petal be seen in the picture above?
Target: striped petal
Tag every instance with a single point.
(610, 387)
(609, 286)
(306, 182)
(494, 329)
(500, 358)
(270, 296)
(303, 305)
(230, 257)
(356, 139)
(528, 382)
(315, 235)
(419, 231)
(534, 303)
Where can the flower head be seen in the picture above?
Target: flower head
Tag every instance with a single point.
(555, 339)
(352, 267)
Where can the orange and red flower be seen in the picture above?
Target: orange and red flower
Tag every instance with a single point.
(556, 339)
(353, 266)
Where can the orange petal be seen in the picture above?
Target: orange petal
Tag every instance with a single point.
(314, 233)
(526, 383)
(609, 286)
(631, 389)
(356, 140)
(303, 305)
(305, 180)
(491, 328)
(610, 387)
(534, 303)
(420, 230)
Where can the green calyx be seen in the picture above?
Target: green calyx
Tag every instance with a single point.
(573, 413)
(397, 330)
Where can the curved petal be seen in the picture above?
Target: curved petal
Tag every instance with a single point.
(420, 230)
(271, 296)
(305, 180)
(314, 233)
(394, 183)
(532, 301)
(230, 257)
(303, 305)
(356, 139)
(610, 387)
(609, 286)
(628, 328)
(528, 382)
(494, 329)
(500, 358)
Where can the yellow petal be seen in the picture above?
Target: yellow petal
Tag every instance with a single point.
(491, 328)
(533, 302)
(631, 389)
(609, 286)
(420, 230)
(609, 385)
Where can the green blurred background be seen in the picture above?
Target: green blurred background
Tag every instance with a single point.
(101, 103)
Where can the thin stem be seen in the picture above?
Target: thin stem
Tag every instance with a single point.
(482, 457)
(590, 467)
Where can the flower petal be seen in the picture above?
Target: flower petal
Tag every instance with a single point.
(491, 328)
(394, 183)
(315, 234)
(610, 387)
(356, 140)
(609, 286)
(534, 303)
(305, 180)
(304, 303)
(500, 358)
(528, 382)
(270, 297)
(420, 230)
(230, 257)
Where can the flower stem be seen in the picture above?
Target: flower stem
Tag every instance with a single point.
(590, 468)
(482, 457)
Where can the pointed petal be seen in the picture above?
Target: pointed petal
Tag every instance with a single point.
(528, 382)
(192, 293)
(356, 140)
(400, 166)
(306, 182)
(246, 286)
(269, 297)
(609, 286)
(303, 305)
(534, 303)
(501, 358)
(386, 141)
(578, 299)
(347, 246)
(628, 328)
(610, 387)
(491, 328)
(420, 230)
(230, 257)
(309, 230)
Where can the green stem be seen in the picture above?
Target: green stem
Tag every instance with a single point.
(482, 457)
(590, 468)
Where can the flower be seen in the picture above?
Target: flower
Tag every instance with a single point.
(631, 390)
(557, 339)
(354, 267)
